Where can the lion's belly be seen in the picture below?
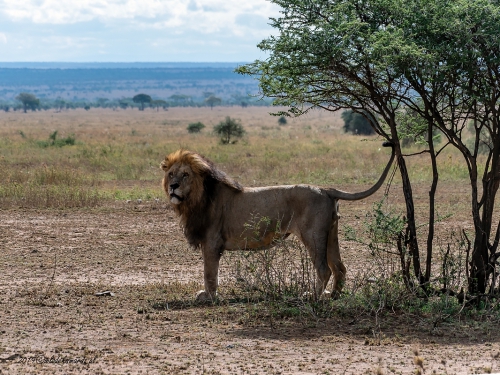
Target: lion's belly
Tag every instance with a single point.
(254, 242)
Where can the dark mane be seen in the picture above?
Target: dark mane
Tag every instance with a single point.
(220, 176)
(196, 218)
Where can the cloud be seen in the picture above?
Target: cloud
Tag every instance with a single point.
(203, 15)
(135, 30)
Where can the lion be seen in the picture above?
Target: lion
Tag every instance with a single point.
(213, 210)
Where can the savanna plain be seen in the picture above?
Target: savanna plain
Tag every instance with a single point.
(97, 278)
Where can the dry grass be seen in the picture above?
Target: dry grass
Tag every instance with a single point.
(117, 153)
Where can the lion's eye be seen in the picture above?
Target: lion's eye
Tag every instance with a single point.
(185, 175)
(170, 175)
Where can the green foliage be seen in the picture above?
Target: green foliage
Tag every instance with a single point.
(356, 123)
(413, 129)
(195, 127)
(436, 58)
(212, 100)
(87, 107)
(180, 99)
(381, 228)
(159, 103)
(28, 100)
(228, 129)
(124, 104)
(141, 99)
(282, 120)
(53, 141)
(102, 102)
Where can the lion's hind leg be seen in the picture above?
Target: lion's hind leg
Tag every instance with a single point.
(333, 256)
(317, 247)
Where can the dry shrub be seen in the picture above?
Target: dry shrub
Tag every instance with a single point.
(283, 272)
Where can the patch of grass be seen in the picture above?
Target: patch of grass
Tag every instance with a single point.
(48, 187)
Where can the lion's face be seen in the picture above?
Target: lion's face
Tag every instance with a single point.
(183, 181)
(178, 182)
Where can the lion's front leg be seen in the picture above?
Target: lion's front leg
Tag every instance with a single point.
(211, 260)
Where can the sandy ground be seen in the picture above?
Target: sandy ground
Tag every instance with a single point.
(53, 262)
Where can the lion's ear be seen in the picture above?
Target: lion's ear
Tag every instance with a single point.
(163, 165)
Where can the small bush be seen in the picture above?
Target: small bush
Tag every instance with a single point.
(55, 142)
(282, 120)
(195, 127)
(356, 123)
(229, 128)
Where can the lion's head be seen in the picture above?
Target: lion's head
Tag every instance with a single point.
(184, 175)
(191, 183)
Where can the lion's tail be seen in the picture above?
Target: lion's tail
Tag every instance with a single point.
(339, 194)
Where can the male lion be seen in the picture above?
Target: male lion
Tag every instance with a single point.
(214, 209)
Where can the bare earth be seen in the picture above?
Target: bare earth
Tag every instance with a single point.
(51, 322)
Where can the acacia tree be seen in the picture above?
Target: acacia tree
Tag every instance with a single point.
(28, 100)
(142, 98)
(326, 57)
(212, 100)
(462, 87)
(159, 103)
(391, 58)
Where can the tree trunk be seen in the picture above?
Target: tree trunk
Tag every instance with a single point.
(410, 219)
(432, 209)
(411, 239)
(480, 267)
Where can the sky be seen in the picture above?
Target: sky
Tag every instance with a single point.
(134, 30)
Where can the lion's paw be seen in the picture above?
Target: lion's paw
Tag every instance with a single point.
(204, 297)
(324, 294)
(335, 294)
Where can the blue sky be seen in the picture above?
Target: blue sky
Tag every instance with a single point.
(133, 30)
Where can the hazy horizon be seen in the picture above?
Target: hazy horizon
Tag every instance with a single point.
(119, 64)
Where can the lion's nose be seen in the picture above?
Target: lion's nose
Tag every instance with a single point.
(174, 186)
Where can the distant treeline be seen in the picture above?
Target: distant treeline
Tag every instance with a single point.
(37, 104)
(175, 83)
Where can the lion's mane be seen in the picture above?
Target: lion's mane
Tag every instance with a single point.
(194, 213)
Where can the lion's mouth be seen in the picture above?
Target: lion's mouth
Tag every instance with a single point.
(175, 196)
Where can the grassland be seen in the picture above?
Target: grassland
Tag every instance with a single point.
(116, 154)
(80, 217)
